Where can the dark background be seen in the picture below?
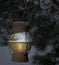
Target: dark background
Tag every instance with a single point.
(43, 18)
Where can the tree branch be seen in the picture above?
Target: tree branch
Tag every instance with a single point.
(54, 5)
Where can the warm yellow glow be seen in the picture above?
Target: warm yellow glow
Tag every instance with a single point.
(19, 46)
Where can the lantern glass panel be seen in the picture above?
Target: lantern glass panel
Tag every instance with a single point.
(20, 42)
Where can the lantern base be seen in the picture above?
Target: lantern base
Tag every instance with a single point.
(19, 57)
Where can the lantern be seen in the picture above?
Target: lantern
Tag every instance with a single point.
(20, 42)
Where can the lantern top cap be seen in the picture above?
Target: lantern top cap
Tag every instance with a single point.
(20, 26)
(22, 22)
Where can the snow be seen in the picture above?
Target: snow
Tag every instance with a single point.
(5, 56)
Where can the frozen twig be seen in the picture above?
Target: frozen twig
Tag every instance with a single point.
(54, 5)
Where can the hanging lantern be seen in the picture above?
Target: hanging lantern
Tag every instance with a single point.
(20, 42)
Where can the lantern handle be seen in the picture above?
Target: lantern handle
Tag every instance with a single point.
(28, 51)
